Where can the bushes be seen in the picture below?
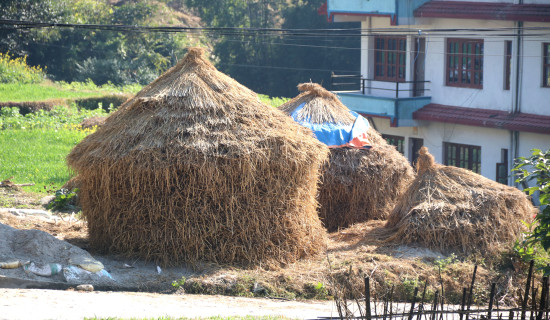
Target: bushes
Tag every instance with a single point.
(59, 117)
(16, 70)
(105, 102)
(537, 168)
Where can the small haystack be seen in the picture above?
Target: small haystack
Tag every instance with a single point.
(450, 208)
(358, 183)
(195, 167)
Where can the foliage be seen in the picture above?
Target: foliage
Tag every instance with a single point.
(179, 283)
(16, 70)
(536, 168)
(16, 92)
(316, 290)
(60, 117)
(64, 199)
(442, 263)
(271, 63)
(275, 63)
(275, 102)
(101, 55)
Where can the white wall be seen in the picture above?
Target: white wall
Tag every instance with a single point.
(533, 97)
(529, 141)
(509, 1)
(435, 134)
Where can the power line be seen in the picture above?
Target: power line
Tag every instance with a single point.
(19, 24)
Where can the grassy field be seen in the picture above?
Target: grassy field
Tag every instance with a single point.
(18, 92)
(37, 156)
(33, 147)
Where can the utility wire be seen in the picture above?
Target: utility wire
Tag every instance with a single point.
(240, 31)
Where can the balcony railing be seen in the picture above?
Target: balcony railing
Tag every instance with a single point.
(358, 83)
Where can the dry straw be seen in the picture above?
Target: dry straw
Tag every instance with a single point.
(450, 208)
(356, 184)
(194, 168)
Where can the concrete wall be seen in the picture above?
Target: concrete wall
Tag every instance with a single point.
(533, 98)
(435, 134)
(493, 94)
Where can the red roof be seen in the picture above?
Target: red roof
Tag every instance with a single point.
(487, 118)
(484, 10)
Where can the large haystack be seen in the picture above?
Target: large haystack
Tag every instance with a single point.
(195, 167)
(450, 208)
(357, 184)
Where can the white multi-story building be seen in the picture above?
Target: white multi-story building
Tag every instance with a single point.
(468, 79)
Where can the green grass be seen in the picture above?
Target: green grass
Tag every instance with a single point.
(33, 147)
(19, 92)
(37, 156)
(275, 102)
(59, 117)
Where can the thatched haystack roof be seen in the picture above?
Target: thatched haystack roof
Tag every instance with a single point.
(357, 184)
(195, 167)
(450, 208)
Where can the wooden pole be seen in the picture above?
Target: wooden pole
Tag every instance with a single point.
(491, 299)
(463, 304)
(527, 287)
(413, 303)
(543, 294)
(434, 307)
(391, 301)
(367, 298)
(421, 306)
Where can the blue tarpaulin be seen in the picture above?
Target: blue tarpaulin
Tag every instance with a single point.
(338, 135)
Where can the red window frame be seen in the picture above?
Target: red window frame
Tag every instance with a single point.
(462, 156)
(464, 63)
(546, 65)
(390, 58)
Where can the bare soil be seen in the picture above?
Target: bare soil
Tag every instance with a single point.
(352, 253)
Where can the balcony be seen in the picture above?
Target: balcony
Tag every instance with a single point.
(362, 6)
(394, 9)
(393, 100)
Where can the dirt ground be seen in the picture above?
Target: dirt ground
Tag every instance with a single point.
(352, 253)
(57, 304)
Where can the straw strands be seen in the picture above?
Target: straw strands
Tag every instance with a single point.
(450, 208)
(195, 167)
(356, 184)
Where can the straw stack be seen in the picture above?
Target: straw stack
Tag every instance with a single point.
(196, 168)
(356, 184)
(450, 208)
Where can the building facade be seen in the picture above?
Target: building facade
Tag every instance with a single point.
(468, 79)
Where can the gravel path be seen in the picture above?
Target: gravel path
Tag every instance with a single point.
(57, 304)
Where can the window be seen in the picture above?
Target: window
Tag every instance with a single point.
(415, 145)
(546, 65)
(397, 141)
(507, 64)
(463, 156)
(464, 63)
(502, 167)
(390, 58)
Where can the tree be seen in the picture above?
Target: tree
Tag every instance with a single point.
(100, 55)
(271, 63)
(537, 168)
